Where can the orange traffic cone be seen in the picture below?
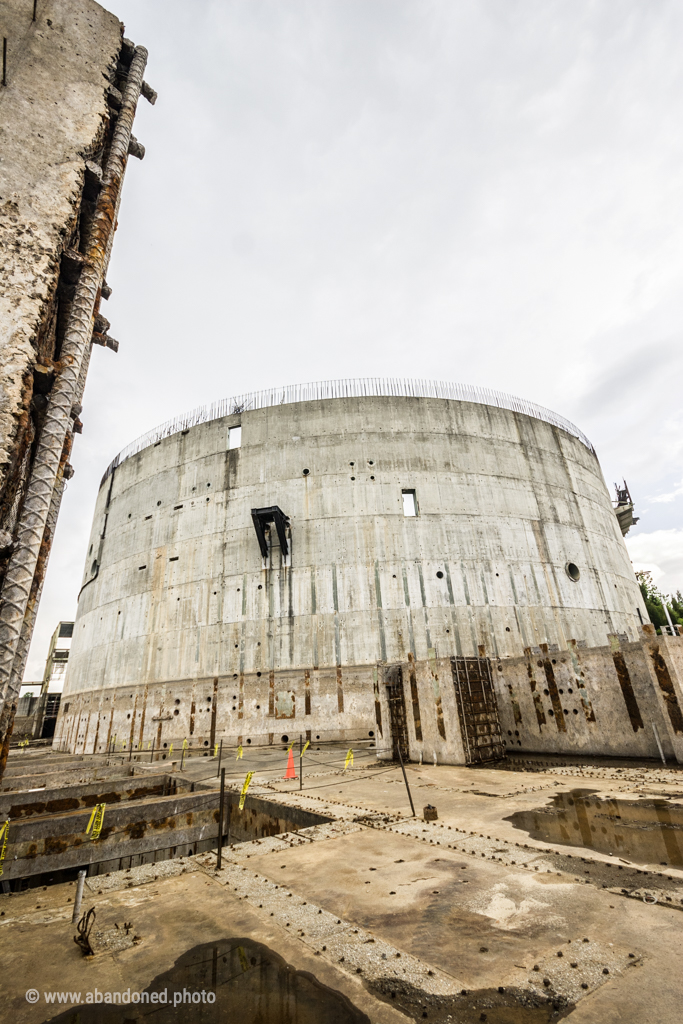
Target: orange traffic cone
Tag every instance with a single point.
(290, 773)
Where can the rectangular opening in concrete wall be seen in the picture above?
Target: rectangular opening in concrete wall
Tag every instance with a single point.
(234, 437)
(409, 503)
(147, 818)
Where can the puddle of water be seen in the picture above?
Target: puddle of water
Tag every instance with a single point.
(644, 831)
(251, 985)
(512, 1006)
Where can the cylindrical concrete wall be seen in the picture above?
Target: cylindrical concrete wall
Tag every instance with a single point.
(184, 631)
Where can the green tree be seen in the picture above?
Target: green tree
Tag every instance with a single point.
(652, 599)
(675, 604)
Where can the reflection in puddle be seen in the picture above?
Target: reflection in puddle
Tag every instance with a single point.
(251, 985)
(644, 831)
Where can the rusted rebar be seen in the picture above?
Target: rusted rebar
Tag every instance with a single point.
(16, 589)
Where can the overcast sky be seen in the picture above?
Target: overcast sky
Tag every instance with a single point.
(484, 191)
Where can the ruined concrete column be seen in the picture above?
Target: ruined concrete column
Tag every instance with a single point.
(15, 593)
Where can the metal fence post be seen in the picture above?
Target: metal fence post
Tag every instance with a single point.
(220, 820)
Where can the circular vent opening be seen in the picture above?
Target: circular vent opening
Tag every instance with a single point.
(572, 571)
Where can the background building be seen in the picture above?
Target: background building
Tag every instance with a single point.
(255, 569)
(38, 703)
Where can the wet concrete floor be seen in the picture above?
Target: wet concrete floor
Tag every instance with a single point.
(236, 979)
(389, 904)
(647, 831)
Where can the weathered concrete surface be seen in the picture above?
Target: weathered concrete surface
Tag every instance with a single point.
(70, 798)
(468, 902)
(182, 632)
(138, 829)
(602, 700)
(171, 916)
(53, 118)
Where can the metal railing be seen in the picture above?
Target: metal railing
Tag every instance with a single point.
(358, 387)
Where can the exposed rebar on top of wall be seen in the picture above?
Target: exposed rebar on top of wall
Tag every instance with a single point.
(356, 387)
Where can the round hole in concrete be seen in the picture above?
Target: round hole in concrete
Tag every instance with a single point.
(507, 629)
(258, 674)
(285, 739)
(248, 741)
(572, 571)
(158, 503)
(177, 700)
(439, 575)
(165, 744)
(176, 712)
(371, 733)
(306, 472)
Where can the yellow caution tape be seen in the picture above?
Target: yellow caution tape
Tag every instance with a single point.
(96, 819)
(245, 787)
(240, 752)
(215, 750)
(170, 750)
(243, 960)
(99, 818)
(184, 744)
(308, 743)
(4, 834)
(291, 745)
(349, 760)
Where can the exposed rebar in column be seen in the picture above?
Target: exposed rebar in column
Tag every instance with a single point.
(24, 643)
(77, 338)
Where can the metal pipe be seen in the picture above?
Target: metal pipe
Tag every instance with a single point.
(16, 588)
(301, 762)
(79, 896)
(405, 777)
(220, 755)
(668, 617)
(220, 820)
(661, 752)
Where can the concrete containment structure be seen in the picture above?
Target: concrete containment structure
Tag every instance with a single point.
(256, 569)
